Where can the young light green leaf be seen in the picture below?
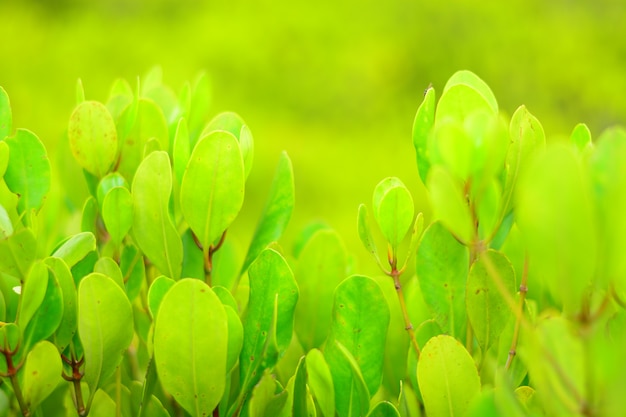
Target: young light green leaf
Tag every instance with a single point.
(442, 267)
(276, 213)
(6, 227)
(48, 315)
(360, 321)
(212, 189)
(105, 327)
(581, 137)
(89, 216)
(153, 229)
(271, 282)
(422, 125)
(120, 97)
(107, 266)
(80, 92)
(181, 150)
(33, 293)
(555, 215)
(233, 123)
(117, 213)
(384, 409)
(322, 265)
(449, 203)
(393, 210)
(199, 103)
(93, 137)
(28, 172)
(465, 77)
(76, 248)
(192, 319)
(487, 308)
(418, 228)
(107, 183)
(265, 401)
(320, 381)
(102, 405)
(448, 378)
(159, 287)
(6, 119)
(235, 337)
(148, 123)
(365, 234)
(17, 253)
(42, 373)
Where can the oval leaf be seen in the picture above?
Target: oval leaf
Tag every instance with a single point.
(42, 373)
(393, 210)
(117, 213)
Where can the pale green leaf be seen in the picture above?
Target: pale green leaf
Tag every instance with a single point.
(117, 213)
(42, 373)
(393, 210)
(422, 125)
(76, 248)
(320, 381)
(6, 119)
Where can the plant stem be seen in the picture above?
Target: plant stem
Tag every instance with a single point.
(408, 326)
(523, 290)
(12, 374)
(207, 255)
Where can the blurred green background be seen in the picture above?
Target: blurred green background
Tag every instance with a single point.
(334, 83)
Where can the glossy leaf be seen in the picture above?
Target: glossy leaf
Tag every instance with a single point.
(212, 190)
(359, 323)
(6, 119)
(153, 229)
(42, 373)
(608, 176)
(384, 409)
(442, 268)
(28, 173)
(107, 266)
(393, 210)
(449, 203)
(321, 267)
(76, 248)
(354, 399)
(117, 213)
(69, 322)
(48, 315)
(33, 293)
(159, 287)
(106, 184)
(447, 376)
(192, 319)
(93, 137)
(365, 233)
(320, 381)
(554, 213)
(272, 287)
(487, 308)
(276, 213)
(233, 123)
(148, 123)
(17, 253)
(105, 326)
(469, 79)
(422, 126)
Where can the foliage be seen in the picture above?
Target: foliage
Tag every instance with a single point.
(516, 307)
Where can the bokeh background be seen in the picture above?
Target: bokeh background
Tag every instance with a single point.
(334, 83)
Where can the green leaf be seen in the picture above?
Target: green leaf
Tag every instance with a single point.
(80, 92)
(181, 149)
(192, 320)
(17, 253)
(365, 233)
(271, 282)
(608, 176)
(487, 308)
(6, 227)
(384, 409)
(320, 382)
(393, 210)
(153, 229)
(461, 83)
(276, 213)
(447, 376)
(28, 172)
(527, 137)
(299, 405)
(199, 103)
(212, 190)
(233, 123)
(33, 293)
(48, 315)
(105, 326)
(93, 137)
(322, 265)
(133, 270)
(107, 183)
(103, 405)
(355, 397)
(120, 97)
(76, 248)
(67, 327)
(265, 401)
(449, 203)
(159, 287)
(42, 373)
(6, 119)
(117, 213)
(422, 125)
(360, 320)
(148, 123)
(107, 266)
(581, 137)
(89, 216)
(555, 215)
(442, 267)
(235, 337)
